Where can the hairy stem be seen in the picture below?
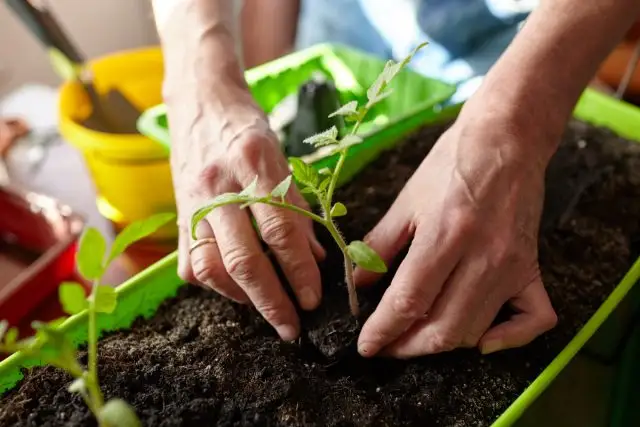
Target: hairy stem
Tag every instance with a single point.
(92, 376)
(348, 266)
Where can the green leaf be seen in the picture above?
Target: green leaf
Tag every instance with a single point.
(380, 97)
(349, 141)
(304, 172)
(118, 413)
(58, 344)
(282, 189)
(349, 110)
(11, 336)
(218, 201)
(328, 137)
(338, 210)
(365, 257)
(307, 190)
(105, 298)
(136, 231)
(324, 184)
(72, 297)
(250, 190)
(90, 255)
(77, 386)
(377, 87)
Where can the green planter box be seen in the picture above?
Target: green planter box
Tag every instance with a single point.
(141, 296)
(416, 98)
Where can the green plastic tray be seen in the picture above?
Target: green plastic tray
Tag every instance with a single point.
(416, 98)
(142, 295)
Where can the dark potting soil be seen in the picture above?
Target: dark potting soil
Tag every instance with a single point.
(205, 361)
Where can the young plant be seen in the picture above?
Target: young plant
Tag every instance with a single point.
(55, 348)
(322, 184)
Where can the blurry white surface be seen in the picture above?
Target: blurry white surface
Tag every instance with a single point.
(56, 169)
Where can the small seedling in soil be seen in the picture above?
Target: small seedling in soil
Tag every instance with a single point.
(55, 348)
(322, 184)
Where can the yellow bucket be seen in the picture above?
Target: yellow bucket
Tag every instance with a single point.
(131, 172)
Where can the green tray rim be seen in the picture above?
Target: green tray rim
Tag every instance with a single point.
(148, 121)
(593, 107)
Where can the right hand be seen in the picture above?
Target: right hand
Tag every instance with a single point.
(222, 141)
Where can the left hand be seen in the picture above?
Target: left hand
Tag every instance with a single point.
(473, 209)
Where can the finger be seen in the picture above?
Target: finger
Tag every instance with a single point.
(208, 268)
(461, 308)
(287, 238)
(184, 262)
(535, 316)
(387, 238)
(251, 270)
(412, 292)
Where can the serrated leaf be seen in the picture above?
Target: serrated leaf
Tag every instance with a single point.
(282, 189)
(250, 190)
(77, 386)
(218, 201)
(72, 297)
(376, 88)
(105, 299)
(136, 231)
(304, 172)
(348, 110)
(349, 141)
(365, 257)
(118, 413)
(90, 256)
(328, 137)
(380, 97)
(307, 190)
(338, 210)
(324, 184)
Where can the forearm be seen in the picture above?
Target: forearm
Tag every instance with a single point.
(538, 80)
(200, 40)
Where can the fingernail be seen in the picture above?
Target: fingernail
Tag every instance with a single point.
(367, 349)
(491, 346)
(287, 332)
(309, 298)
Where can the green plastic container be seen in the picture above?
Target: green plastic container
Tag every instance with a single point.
(415, 100)
(142, 295)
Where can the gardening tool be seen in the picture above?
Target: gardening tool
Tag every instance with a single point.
(111, 112)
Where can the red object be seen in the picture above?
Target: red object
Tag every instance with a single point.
(38, 240)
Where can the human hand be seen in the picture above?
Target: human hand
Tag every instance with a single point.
(473, 209)
(220, 147)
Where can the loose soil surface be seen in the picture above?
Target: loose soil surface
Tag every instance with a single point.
(205, 361)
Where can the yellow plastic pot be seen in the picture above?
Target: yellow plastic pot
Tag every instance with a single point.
(131, 172)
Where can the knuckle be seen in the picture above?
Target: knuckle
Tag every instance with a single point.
(241, 264)
(205, 269)
(407, 306)
(548, 320)
(443, 341)
(272, 313)
(463, 220)
(247, 150)
(203, 183)
(278, 231)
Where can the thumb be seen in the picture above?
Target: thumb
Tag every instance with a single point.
(387, 238)
(535, 316)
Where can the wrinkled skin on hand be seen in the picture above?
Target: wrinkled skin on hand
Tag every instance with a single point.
(222, 145)
(473, 209)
